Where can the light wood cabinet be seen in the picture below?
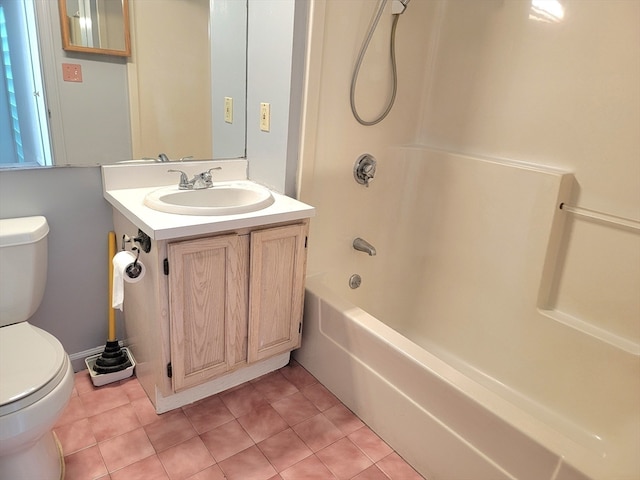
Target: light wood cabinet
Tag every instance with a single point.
(234, 299)
(278, 259)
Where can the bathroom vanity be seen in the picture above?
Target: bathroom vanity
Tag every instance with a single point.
(222, 297)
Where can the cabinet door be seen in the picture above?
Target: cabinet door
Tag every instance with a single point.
(276, 290)
(208, 306)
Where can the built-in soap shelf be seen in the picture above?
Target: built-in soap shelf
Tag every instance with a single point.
(593, 330)
(601, 297)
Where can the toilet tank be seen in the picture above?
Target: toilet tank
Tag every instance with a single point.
(23, 267)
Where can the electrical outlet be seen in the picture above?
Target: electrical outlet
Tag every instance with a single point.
(265, 116)
(72, 72)
(228, 109)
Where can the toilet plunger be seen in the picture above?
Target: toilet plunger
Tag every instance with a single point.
(113, 359)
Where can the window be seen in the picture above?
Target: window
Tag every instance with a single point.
(24, 133)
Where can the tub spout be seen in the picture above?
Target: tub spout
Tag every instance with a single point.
(364, 246)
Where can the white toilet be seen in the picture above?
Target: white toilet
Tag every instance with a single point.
(36, 378)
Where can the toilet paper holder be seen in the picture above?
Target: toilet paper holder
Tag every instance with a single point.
(143, 239)
(134, 269)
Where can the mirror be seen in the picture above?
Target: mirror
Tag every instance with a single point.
(95, 121)
(178, 81)
(95, 26)
(168, 96)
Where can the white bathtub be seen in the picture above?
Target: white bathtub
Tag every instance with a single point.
(446, 350)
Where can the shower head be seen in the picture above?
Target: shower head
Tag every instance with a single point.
(399, 6)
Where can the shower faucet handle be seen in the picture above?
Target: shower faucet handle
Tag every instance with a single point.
(365, 169)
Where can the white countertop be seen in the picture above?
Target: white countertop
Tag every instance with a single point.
(162, 226)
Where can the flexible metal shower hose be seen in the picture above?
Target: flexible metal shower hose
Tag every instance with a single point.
(356, 70)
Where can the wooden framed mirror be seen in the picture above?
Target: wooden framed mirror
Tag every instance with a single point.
(95, 26)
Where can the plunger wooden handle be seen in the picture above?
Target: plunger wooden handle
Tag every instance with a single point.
(112, 312)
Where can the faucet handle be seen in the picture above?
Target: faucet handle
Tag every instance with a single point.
(364, 169)
(206, 178)
(184, 180)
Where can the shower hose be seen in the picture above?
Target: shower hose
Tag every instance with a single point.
(356, 70)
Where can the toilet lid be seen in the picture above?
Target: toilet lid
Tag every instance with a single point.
(31, 361)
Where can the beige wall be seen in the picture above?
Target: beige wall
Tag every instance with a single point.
(170, 79)
(111, 25)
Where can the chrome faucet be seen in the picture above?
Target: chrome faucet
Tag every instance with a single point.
(199, 181)
(163, 158)
(364, 246)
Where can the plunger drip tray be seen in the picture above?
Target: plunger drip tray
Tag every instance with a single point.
(99, 379)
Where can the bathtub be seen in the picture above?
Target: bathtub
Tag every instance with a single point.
(447, 349)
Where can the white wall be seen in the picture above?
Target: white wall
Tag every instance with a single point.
(74, 308)
(274, 70)
(564, 94)
(332, 138)
(229, 76)
(484, 79)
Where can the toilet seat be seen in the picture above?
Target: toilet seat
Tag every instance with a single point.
(32, 364)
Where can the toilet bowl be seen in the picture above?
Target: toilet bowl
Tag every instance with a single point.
(36, 378)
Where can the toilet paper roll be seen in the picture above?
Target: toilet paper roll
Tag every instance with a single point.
(124, 271)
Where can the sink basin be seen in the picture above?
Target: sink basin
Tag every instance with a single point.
(218, 200)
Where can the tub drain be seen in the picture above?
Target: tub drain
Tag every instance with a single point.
(355, 280)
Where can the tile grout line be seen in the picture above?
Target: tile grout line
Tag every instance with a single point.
(264, 395)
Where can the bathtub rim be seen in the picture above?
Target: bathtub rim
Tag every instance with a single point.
(593, 457)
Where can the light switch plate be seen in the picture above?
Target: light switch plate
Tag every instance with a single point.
(72, 72)
(228, 109)
(265, 117)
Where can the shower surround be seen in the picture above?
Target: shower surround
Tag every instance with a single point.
(524, 317)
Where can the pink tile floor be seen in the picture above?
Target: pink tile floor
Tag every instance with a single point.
(284, 426)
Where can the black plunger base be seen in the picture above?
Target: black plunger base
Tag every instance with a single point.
(113, 359)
